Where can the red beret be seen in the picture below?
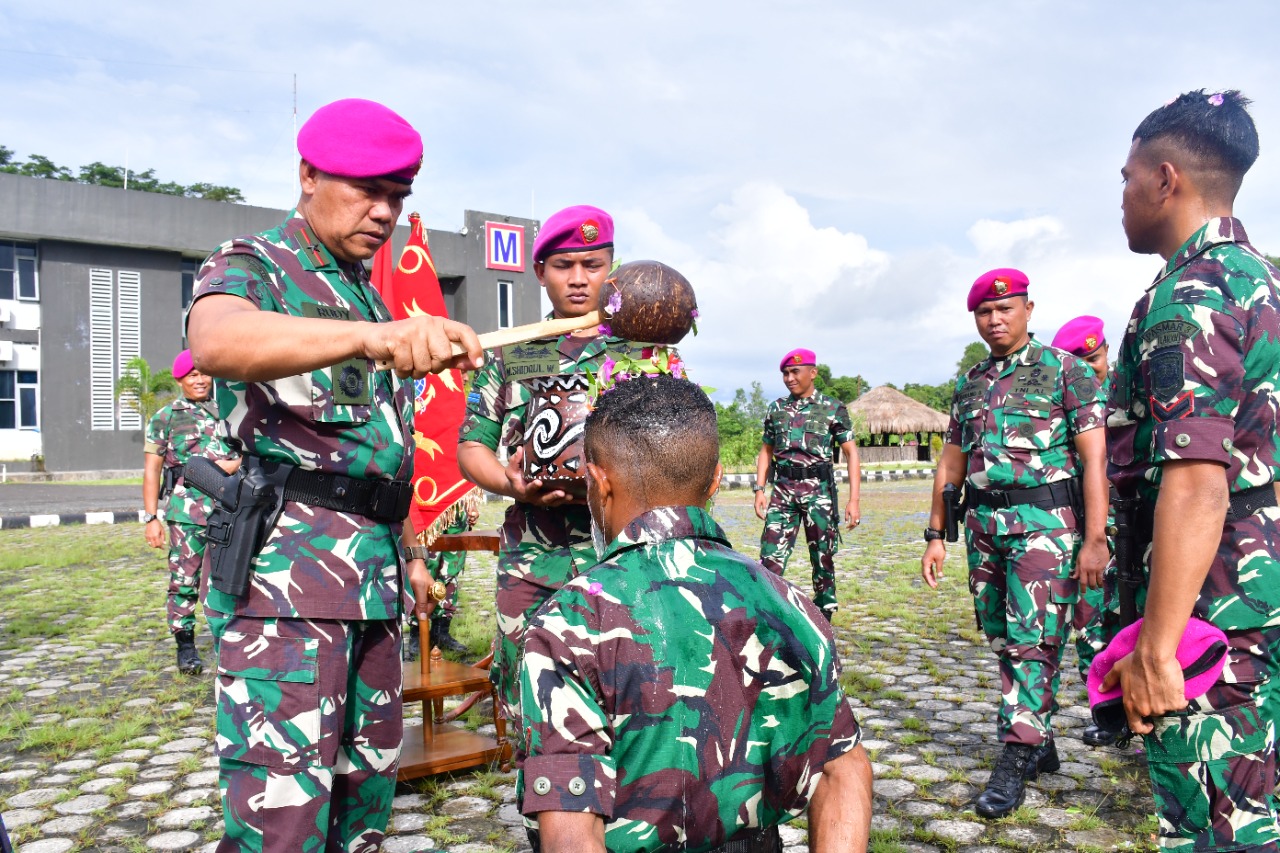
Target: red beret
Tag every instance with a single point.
(182, 364)
(798, 356)
(1081, 336)
(355, 138)
(580, 228)
(997, 284)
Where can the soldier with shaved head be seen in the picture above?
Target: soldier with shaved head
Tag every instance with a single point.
(679, 695)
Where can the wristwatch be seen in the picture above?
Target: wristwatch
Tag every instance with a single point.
(931, 534)
(415, 552)
(148, 517)
(756, 487)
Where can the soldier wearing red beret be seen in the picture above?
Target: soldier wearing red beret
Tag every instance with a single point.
(1025, 441)
(797, 457)
(309, 712)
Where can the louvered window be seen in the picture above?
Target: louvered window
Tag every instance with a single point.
(102, 362)
(128, 339)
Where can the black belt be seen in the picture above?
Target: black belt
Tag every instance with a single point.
(796, 471)
(1050, 495)
(381, 500)
(753, 841)
(1246, 503)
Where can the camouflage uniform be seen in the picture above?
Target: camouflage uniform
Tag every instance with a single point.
(1015, 418)
(1197, 378)
(183, 429)
(539, 548)
(309, 687)
(803, 431)
(679, 691)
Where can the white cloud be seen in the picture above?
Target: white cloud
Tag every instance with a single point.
(990, 237)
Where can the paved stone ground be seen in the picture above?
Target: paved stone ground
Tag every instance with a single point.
(103, 747)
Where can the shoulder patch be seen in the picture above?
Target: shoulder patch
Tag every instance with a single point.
(1169, 333)
(1167, 371)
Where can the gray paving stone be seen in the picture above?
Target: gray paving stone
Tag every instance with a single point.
(407, 844)
(84, 804)
(402, 802)
(191, 796)
(132, 755)
(48, 845)
(1026, 837)
(962, 831)
(510, 815)
(179, 818)
(97, 786)
(408, 821)
(186, 744)
(14, 818)
(15, 775)
(116, 768)
(150, 789)
(202, 779)
(55, 779)
(66, 825)
(166, 759)
(140, 702)
(75, 765)
(924, 773)
(34, 797)
(920, 808)
(892, 789)
(180, 840)
(464, 807)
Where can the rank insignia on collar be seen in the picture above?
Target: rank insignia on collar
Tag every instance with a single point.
(590, 231)
(1091, 342)
(1001, 287)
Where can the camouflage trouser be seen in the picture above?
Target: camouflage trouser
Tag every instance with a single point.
(527, 577)
(446, 566)
(1213, 773)
(1023, 598)
(186, 553)
(310, 722)
(809, 503)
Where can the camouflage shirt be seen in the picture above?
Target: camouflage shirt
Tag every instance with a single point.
(680, 690)
(182, 429)
(1198, 377)
(1016, 418)
(805, 429)
(347, 419)
(495, 418)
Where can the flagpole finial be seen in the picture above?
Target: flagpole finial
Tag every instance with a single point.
(414, 217)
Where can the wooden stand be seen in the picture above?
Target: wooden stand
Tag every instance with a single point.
(438, 746)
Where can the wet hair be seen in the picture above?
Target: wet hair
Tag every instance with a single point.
(658, 436)
(1214, 132)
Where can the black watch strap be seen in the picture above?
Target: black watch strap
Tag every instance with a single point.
(932, 533)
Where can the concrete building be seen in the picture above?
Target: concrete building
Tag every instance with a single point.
(91, 277)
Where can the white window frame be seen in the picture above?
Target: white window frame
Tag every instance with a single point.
(18, 386)
(102, 361)
(507, 291)
(128, 338)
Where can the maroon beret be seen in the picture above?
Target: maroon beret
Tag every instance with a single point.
(798, 357)
(1081, 336)
(580, 228)
(355, 138)
(997, 284)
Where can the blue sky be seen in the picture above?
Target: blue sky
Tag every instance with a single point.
(831, 175)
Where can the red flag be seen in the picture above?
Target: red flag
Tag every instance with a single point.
(381, 277)
(440, 493)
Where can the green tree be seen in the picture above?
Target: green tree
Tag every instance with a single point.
(143, 391)
(38, 166)
(102, 175)
(934, 396)
(212, 192)
(6, 158)
(973, 353)
(846, 389)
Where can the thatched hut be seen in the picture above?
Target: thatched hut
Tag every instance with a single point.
(884, 412)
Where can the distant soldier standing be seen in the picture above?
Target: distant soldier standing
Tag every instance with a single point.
(800, 432)
(1193, 433)
(1024, 438)
(446, 567)
(184, 428)
(1097, 617)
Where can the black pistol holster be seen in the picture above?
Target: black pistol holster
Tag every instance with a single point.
(953, 504)
(246, 506)
(168, 480)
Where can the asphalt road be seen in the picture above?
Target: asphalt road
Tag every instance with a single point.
(59, 498)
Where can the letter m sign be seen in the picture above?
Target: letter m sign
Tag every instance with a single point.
(504, 246)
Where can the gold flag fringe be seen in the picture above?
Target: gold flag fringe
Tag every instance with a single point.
(458, 509)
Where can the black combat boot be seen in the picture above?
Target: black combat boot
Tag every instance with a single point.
(441, 639)
(1043, 760)
(1095, 736)
(410, 645)
(1008, 783)
(189, 662)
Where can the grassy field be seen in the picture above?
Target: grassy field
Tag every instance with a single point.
(90, 600)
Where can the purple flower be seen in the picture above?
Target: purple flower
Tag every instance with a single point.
(1216, 99)
(596, 588)
(605, 329)
(614, 304)
(677, 369)
(606, 369)
(694, 313)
